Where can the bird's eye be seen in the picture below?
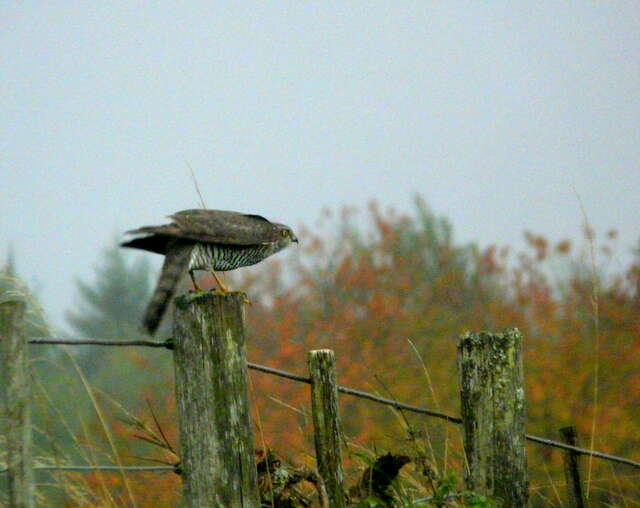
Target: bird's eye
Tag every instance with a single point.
(284, 233)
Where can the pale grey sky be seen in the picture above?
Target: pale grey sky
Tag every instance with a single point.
(494, 111)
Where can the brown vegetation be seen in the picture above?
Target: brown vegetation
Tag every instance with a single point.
(390, 294)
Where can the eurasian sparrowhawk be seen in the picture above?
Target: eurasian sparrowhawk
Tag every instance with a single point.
(205, 240)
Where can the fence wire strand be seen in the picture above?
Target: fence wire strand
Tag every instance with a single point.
(453, 419)
(168, 344)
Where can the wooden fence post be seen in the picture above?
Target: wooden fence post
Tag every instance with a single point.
(326, 424)
(572, 469)
(14, 363)
(217, 449)
(493, 414)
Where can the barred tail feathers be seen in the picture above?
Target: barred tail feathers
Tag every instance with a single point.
(175, 264)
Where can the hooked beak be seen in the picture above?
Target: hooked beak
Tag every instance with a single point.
(294, 238)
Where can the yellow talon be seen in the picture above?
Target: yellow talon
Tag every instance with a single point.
(223, 288)
(226, 289)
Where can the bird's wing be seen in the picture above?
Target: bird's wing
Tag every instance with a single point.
(215, 226)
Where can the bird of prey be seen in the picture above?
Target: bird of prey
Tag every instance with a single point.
(205, 240)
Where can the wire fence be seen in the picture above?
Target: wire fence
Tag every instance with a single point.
(168, 344)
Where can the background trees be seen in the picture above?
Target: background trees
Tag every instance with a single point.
(390, 293)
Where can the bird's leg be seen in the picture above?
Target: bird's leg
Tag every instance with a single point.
(223, 288)
(193, 280)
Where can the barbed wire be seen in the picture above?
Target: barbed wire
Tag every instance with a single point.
(168, 344)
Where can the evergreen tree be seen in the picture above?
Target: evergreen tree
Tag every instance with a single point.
(113, 306)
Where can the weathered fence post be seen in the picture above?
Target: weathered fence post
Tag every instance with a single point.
(14, 363)
(326, 424)
(493, 414)
(572, 469)
(217, 448)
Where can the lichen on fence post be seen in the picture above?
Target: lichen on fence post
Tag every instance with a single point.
(493, 414)
(217, 448)
(15, 377)
(326, 423)
(575, 491)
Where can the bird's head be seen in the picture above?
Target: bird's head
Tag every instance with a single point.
(286, 236)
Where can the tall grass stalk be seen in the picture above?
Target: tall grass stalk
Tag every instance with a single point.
(445, 426)
(82, 450)
(551, 483)
(256, 411)
(595, 312)
(105, 427)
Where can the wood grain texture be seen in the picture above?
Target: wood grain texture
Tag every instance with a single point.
(326, 423)
(217, 447)
(493, 414)
(14, 363)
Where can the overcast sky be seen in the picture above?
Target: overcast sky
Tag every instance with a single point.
(498, 113)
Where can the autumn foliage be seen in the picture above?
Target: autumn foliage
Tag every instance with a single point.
(390, 293)
(395, 297)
